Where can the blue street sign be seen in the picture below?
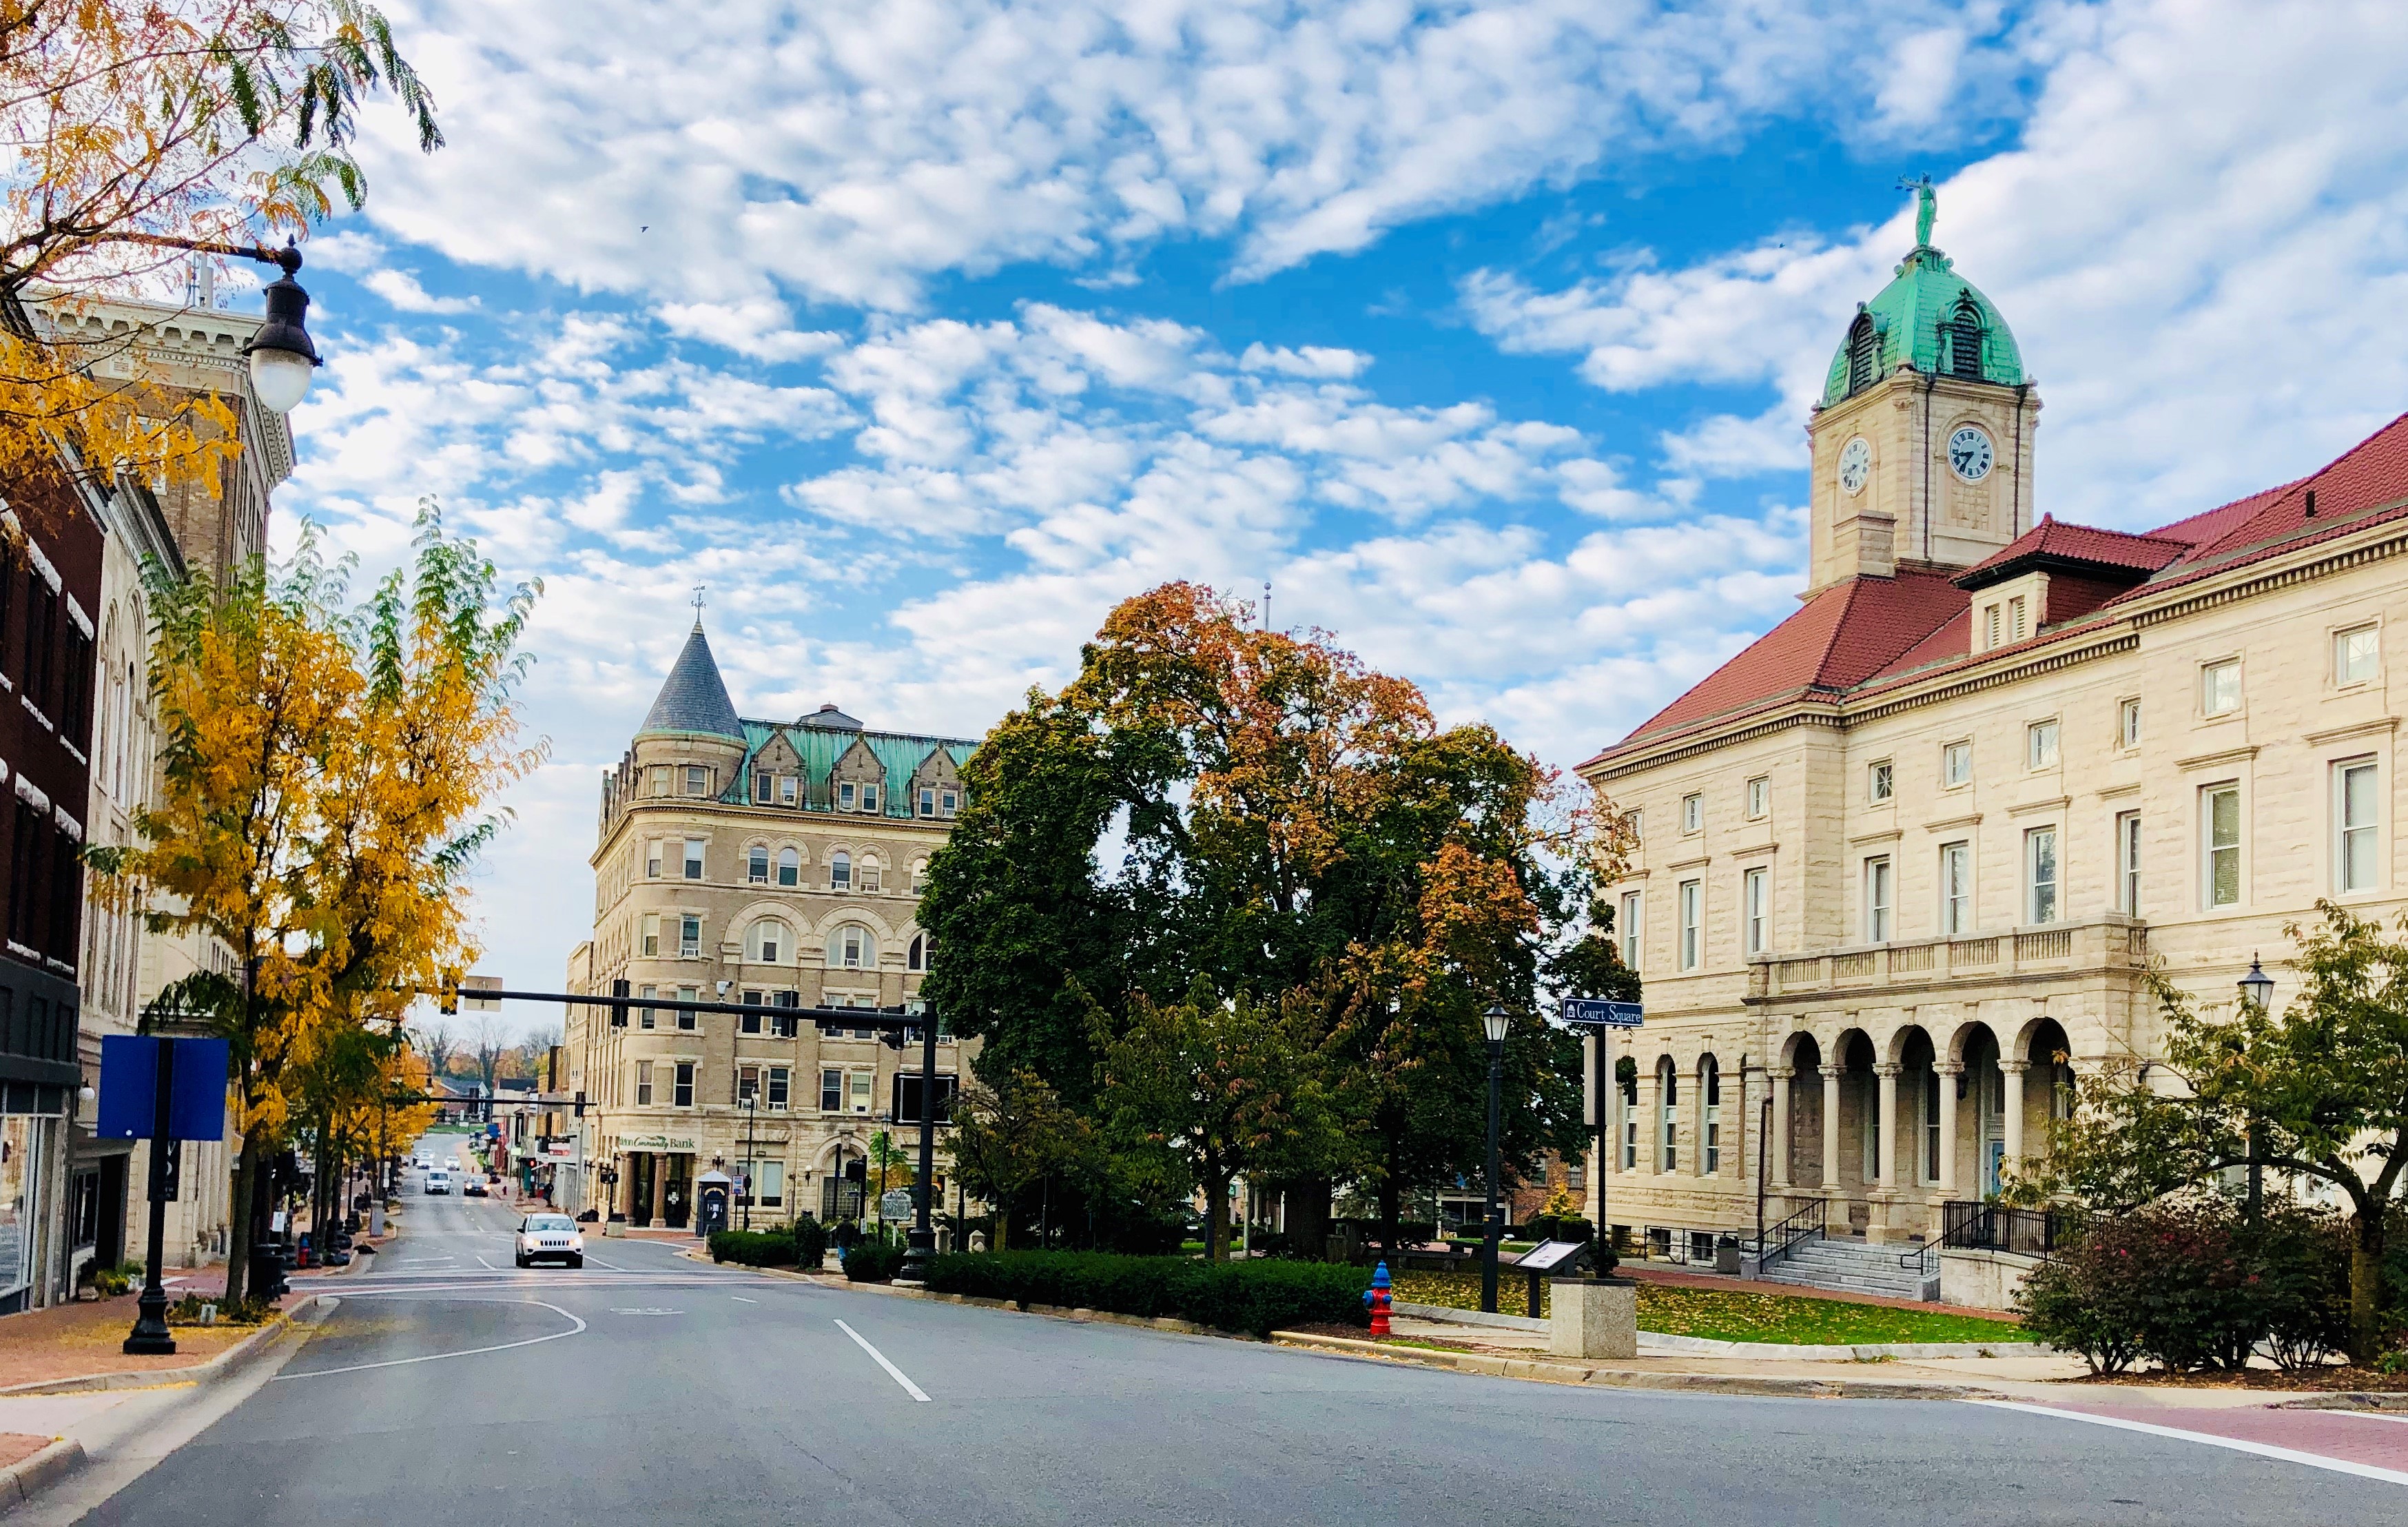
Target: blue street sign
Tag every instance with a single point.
(1589, 1013)
(129, 1080)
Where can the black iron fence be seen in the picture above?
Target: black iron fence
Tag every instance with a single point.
(1991, 1226)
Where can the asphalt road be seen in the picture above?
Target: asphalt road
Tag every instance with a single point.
(448, 1387)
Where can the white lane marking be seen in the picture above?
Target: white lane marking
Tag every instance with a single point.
(486, 1265)
(892, 1372)
(741, 1300)
(438, 1357)
(2263, 1449)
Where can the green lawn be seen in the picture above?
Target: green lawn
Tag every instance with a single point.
(1718, 1315)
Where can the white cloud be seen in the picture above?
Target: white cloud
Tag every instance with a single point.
(759, 327)
(1305, 361)
(401, 292)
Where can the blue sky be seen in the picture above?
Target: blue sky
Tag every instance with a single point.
(1485, 333)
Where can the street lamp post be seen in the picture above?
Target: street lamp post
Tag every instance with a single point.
(2257, 991)
(282, 359)
(751, 1164)
(1495, 1020)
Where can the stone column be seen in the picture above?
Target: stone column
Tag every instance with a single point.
(1887, 1132)
(1832, 1075)
(1949, 1072)
(2013, 1073)
(1780, 1143)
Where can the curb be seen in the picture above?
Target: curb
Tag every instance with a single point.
(2348, 1399)
(1656, 1343)
(153, 1378)
(1058, 1312)
(1553, 1371)
(21, 1482)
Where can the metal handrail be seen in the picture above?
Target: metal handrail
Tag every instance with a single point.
(1923, 1259)
(1992, 1227)
(1805, 1225)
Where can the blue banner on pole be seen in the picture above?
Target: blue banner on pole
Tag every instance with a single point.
(1591, 1012)
(129, 1087)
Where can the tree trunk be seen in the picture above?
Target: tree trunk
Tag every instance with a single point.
(1391, 1203)
(1216, 1204)
(2366, 1286)
(1308, 1216)
(238, 1226)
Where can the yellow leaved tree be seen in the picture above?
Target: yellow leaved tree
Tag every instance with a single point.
(327, 776)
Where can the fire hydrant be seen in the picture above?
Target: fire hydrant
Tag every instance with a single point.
(1378, 1298)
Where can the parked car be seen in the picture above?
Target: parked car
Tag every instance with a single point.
(440, 1181)
(550, 1237)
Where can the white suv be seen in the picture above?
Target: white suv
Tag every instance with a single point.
(440, 1181)
(550, 1237)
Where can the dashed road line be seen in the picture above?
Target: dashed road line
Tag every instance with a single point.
(892, 1372)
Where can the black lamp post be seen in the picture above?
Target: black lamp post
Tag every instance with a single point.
(281, 356)
(1492, 1233)
(2257, 991)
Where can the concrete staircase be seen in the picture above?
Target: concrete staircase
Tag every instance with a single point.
(1852, 1266)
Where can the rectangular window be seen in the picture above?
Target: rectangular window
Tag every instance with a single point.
(1638, 826)
(781, 1082)
(1693, 924)
(1632, 910)
(1955, 888)
(644, 1083)
(2220, 687)
(765, 789)
(786, 789)
(781, 1015)
(647, 1018)
(652, 945)
(1880, 782)
(1667, 1124)
(2128, 863)
(1713, 1119)
(685, 1018)
(751, 1022)
(689, 938)
(2356, 813)
(651, 861)
(1630, 1126)
(756, 865)
(2127, 723)
(1693, 813)
(861, 1083)
(748, 1086)
(844, 797)
(2015, 618)
(1759, 797)
(2040, 744)
(1956, 764)
(697, 780)
(1932, 1083)
(1878, 890)
(2220, 820)
(1991, 629)
(831, 1091)
(869, 797)
(2040, 870)
(693, 858)
(682, 1094)
(1757, 898)
(949, 802)
(660, 779)
(2355, 655)
(928, 802)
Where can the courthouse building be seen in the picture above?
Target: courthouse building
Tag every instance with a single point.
(1904, 859)
(776, 865)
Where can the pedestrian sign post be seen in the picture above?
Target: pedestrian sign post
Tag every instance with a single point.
(1591, 1012)
(1595, 1017)
(166, 1091)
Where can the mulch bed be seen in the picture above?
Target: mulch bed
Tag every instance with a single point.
(68, 1341)
(2302, 1381)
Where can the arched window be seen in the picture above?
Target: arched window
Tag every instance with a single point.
(1964, 334)
(919, 873)
(1864, 353)
(841, 870)
(790, 867)
(852, 948)
(1668, 1079)
(769, 942)
(756, 865)
(866, 874)
(916, 959)
(1710, 1088)
(1630, 1117)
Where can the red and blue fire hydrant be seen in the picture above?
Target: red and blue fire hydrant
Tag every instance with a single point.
(1378, 1298)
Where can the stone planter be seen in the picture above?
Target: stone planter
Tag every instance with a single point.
(1594, 1317)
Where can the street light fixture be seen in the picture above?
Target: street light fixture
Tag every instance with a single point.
(284, 361)
(2257, 987)
(2257, 991)
(1497, 1021)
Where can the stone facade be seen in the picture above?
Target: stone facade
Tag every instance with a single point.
(768, 864)
(1903, 863)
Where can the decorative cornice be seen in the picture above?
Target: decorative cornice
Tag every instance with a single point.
(1678, 865)
(2034, 808)
(2356, 729)
(1947, 824)
(1892, 836)
(2212, 760)
(1757, 851)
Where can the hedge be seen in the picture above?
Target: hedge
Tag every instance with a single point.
(803, 1243)
(873, 1261)
(1258, 1297)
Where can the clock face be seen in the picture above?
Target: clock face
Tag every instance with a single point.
(1856, 464)
(1969, 456)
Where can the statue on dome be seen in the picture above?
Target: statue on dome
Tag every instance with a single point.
(1926, 206)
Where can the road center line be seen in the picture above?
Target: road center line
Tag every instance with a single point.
(2263, 1449)
(892, 1371)
(438, 1357)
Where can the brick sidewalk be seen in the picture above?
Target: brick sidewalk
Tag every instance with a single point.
(70, 1340)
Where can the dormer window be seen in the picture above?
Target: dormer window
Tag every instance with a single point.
(928, 802)
(765, 789)
(1963, 333)
(869, 797)
(844, 797)
(1864, 353)
(786, 788)
(949, 802)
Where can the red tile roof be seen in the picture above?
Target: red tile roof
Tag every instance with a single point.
(1870, 629)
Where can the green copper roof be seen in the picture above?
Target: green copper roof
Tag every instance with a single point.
(900, 755)
(1913, 321)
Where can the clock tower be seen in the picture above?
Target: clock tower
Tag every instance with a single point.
(1922, 443)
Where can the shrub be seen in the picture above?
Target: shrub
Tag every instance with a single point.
(873, 1261)
(810, 1242)
(754, 1248)
(1567, 1227)
(1258, 1297)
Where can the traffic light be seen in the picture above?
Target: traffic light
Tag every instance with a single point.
(581, 1105)
(448, 1001)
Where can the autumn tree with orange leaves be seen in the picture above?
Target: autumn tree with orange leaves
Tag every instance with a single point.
(326, 774)
(1214, 807)
(133, 128)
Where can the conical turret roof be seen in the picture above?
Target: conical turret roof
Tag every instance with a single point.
(694, 698)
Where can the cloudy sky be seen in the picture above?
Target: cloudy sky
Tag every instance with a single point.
(921, 332)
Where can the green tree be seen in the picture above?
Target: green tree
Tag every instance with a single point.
(2319, 1092)
(1222, 1088)
(1013, 1134)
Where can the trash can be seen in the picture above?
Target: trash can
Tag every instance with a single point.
(1727, 1254)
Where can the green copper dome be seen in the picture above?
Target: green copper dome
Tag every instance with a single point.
(1929, 317)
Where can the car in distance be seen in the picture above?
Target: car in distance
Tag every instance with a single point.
(439, 1181)
(550, 1237)
(473, 1188)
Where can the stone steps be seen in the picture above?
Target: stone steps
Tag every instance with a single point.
(1853, 1267)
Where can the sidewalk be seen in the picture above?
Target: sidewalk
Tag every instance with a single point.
(83, 1340)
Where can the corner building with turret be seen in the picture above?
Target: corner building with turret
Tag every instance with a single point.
(775, 865)
(1904, 859)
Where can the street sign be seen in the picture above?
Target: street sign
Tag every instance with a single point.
(471, 984)
(894, 1206)
(129, 1077)
(1589, 1013)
